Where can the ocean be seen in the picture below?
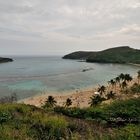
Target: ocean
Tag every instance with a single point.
(30, 76)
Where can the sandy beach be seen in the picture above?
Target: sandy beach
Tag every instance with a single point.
(80, 98)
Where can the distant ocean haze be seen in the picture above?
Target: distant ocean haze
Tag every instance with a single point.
(29, 76)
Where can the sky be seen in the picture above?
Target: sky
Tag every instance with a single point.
(58, 27)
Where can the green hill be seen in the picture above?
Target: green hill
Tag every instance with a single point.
(123, 54)
(25, 122)
(4, 60)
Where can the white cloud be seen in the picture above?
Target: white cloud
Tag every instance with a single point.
(76, 23)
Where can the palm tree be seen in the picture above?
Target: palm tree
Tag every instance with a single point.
(101, 89)
(112, 82)
(50, 102)
(138, 76)
(122, 76)
(68, 102)
(117, 79)
(124, 84)
(127, 77)
(95, 100)
(110, 95)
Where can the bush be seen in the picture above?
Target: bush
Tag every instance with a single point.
(110, 95)
(49, 128)
(135, 88)
(120, 112)
(124, 111)
(5, 116)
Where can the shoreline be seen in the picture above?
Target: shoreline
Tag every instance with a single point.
(134, 64)
(79, 98)
(76, 96)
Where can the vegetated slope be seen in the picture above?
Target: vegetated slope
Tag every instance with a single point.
(78, 55)
(19, 121)
(4, 60)
(122, 54)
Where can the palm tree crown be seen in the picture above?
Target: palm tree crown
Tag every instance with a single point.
(139, 74)
(68, 102)
(122, 76)
(95, 100)
(101, 89)
(50, 102)
(127, 77)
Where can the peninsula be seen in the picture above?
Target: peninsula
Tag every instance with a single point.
(4, 60)
(122, 54)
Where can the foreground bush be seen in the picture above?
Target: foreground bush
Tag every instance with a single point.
(120, 112)
(135, 88)
(19, 121)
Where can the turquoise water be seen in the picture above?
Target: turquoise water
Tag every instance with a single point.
(28, 76)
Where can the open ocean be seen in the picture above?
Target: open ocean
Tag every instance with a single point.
(29, 76)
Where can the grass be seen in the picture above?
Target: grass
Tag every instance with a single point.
(18, 121)
(118, 113)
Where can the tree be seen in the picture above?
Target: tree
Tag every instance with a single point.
(110, 95)
(138, 76)
(101, 89)
(117, 79)
(122, 76)
(124, 84)
(127, 77)
(68, 102)
(95, 100)
(50, 102)
(112, 82)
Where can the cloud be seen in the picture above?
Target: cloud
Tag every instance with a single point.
(70, 22)
(130, 29)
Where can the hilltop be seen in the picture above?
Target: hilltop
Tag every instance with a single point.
(123, 54)
(4, 60)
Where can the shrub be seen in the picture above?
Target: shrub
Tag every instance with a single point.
(96, 100)
(124, 111)
(135, 88)
(50, 128)
(110, 95)
(5, 116)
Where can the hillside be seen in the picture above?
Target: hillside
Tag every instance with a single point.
(123, 54)
(19, 121)
(4, 60)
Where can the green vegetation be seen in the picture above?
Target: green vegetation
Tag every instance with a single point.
(68, 102)
(4, 60)
(112, 122)
(138, 76)
(19, 121)
(111, 95)
(118, 112)
(50, 102)
(101, 89)
(135, 88)
(122, 54)
(96, 100)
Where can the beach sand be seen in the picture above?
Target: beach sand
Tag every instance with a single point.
(79, 98)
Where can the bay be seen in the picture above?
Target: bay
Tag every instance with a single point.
(29, 76)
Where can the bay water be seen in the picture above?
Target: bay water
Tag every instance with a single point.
(29, 76)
